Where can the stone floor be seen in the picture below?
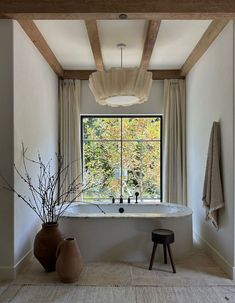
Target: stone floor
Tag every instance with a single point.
(198, 279)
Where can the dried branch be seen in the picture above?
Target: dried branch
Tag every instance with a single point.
(49, 195)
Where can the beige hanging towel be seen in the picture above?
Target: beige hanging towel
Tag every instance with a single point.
(213, 198)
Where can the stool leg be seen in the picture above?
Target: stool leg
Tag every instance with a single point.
(165, 255)
(172, 264)
(153, 255)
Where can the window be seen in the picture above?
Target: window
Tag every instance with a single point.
(127, 151)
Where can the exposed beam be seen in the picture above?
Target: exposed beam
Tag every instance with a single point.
(35, 35)
(212, 32)
(162, 74)
(93, 35)
(110, 9)
(157, 74)
(77, 74)
(152, 32)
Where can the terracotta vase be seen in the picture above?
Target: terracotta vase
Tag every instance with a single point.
(45, 245)
(69, 262)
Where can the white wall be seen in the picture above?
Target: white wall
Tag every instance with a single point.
(35, 124)
(153, 106)
(29, 114)
(210, 97)
(6, 146)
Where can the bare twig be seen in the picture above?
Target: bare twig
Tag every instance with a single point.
(50, 190)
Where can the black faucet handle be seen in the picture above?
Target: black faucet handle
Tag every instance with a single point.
(136, 197)
(113, 199)
(121, 199)
(129, 199)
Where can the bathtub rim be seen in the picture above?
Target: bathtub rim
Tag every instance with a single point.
(186, 211)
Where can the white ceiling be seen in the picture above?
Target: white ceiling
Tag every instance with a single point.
(69, 41)
(175, 41)
(132, 33)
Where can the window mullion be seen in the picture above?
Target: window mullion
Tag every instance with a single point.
(121, 158)
(141, 171)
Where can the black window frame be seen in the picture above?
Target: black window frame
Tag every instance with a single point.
(160, 117)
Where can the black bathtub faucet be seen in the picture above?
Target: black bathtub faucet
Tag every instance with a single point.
(121, 199)
(113, 199)
(136, 197)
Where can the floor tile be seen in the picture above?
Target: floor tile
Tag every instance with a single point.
(141, 275)
(34, 273)
(195, 270)
(109, 274)
(213, 276)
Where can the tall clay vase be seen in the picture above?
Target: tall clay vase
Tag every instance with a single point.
(69, 262)
(45, 245)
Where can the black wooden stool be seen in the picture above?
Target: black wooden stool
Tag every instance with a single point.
(165, 237)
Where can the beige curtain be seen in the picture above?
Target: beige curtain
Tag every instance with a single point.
(174, 157)
(69, 130)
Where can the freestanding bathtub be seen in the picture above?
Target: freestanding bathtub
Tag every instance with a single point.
(122, 232)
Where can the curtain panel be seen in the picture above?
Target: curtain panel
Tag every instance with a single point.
(174, 151)
(69, 131)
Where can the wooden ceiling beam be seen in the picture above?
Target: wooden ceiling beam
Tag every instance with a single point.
(77, 74)
(111, 9)
(212, 32)
(157, 74)
(93, 35)
(35, 35)
(151, 36)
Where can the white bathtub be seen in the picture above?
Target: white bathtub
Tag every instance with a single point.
(106, 234)
(140, 210)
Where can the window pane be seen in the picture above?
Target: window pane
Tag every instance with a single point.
(141, 128)
(141, 169)
(131, 162)
(151, 170)
(102, 159)
(101, 128)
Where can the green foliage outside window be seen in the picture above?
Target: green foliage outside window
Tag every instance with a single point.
(127, 151)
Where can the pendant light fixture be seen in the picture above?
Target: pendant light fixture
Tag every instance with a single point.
(121, 86)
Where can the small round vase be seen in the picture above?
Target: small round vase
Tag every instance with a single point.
(69, 262)
(45, 245)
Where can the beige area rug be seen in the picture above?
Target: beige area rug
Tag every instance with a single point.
(91, 294)
(185, 295)
(3, 287)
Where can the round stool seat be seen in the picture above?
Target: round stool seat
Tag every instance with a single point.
(163, 236)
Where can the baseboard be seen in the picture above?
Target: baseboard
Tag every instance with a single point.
(9, 273)
(216, 256)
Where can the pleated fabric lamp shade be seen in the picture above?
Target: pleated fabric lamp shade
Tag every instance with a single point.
(121, 86)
